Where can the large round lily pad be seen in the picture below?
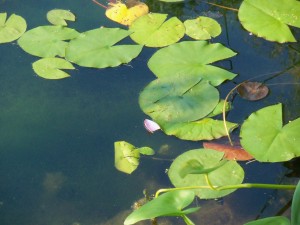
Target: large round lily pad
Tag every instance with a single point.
(96, 48)
(192, 58)
(269, 19)
(12, 28)
(180, 99)
(266, 139)
(208, 161)
(152, 30)
(47, 41)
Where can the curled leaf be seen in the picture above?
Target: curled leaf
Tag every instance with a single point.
(253, 91)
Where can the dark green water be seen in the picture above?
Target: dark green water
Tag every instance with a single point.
(56, 137)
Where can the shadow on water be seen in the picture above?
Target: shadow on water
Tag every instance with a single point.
(56, 157)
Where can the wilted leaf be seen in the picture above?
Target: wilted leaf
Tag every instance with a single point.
(192, 58)
(59, 17)
(230, 152)
(202, 28)
(11, 29)
(96, 48)
(229, 173)
(47, 41)
(51, 68)
(266, 139)
(180, 99)
(269, 19)
(152, 30)
(253, 90)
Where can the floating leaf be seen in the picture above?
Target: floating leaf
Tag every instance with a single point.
(202, 28)
(270, 19)
(253, 90)
(168, 204)
(228, 174)
(120, 13)
(51, 68)
(146, 151)
(47, 41)
(127, 157)
(151, 126)
(180, 99)
(152, 30)
(275, 220)
(204, 129)
(96, 48)
(192, 58)
(230, 152)
(59, 17)
(11, 29)
(296, 206)
(219, 108)
(264, 137)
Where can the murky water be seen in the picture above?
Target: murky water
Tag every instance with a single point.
(56, 137)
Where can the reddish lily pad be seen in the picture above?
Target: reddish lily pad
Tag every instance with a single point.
(253, 91)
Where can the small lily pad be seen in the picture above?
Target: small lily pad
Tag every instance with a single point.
(202, 28)
(152, 30)
(47, 41)
(11, 29)
(253, 91)
(59, 17)
(51, 68)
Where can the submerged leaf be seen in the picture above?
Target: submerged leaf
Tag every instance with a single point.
(47, 41)
(11, 29)
(192, 58)
(253, 91)
(59, 17)
(51, 68)
(269, 19)
(266, 139)
(152, 30)
(96, 48)
(168, 204)
(229, 173)
(202, 28)
(230, 152)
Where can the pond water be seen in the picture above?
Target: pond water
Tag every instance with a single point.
(56, 137)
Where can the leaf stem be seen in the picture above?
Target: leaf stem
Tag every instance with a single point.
(221, 6)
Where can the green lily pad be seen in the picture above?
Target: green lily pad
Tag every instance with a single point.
(204, 129)
(229, 173)
(270, 19)
(168, 204)
(202, 28)
(219, 108)
(192, 58)
(47, 41)
(96, 48)
(295, 217)
(146, 151)
(180, 99)
(152, 30)
(11, 29)
(275, 220)
(127, 157)
(264, 137)
(51, 68)
(59, 17)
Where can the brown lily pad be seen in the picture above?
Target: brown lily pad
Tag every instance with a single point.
(230, 152)
(253, 91)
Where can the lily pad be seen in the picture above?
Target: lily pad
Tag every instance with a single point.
(47, 41)
(152, 30)
(168, 204)
(270, 19)
(96, 48)
(12, 28)
(180, 99)
(253, 91)
(295, 217)
(51, 68)
(146, 151)
(202, 28)
(229, 173)
(59, 17)
(204, 129)
(127, 157)
(192, 58)
(266, 139)
(275, 220)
